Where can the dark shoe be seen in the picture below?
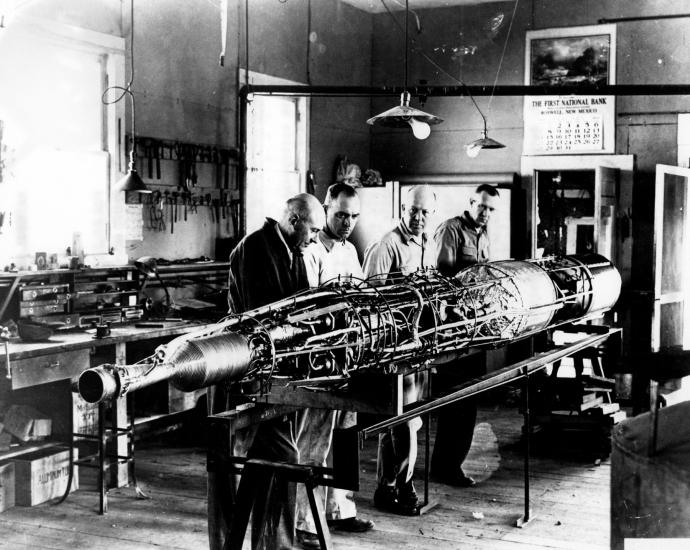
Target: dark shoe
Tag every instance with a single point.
(407, 495)
(307, 540)
(351, 525)
(386, 499)
(456, 480)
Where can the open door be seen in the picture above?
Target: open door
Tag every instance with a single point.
(670, 323)
(606, 185)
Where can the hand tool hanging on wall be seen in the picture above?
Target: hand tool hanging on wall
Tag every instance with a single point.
(225, 161)
(194, 203)
(168, 201)
(209, 203)
(235, 205)
(193, 175)
(181, 164)
(157, 156)
(175, 194)
(216, 210)
(156, 212)
(147, 144)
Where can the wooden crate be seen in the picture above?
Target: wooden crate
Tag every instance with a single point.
(84, 416)
(6, 486)
(43, 475)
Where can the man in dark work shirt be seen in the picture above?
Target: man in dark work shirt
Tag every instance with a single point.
(266, 266)
(460, 242)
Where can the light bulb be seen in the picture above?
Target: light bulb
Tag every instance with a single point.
(472, 150)
(421, 130)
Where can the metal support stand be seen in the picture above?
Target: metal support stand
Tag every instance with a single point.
(428, 505)
(101, 459)
(526, 517)
(260, 476)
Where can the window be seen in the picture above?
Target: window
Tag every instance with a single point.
(56, 138)
(276, 153)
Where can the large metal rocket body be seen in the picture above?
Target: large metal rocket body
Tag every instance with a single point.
(353, 325)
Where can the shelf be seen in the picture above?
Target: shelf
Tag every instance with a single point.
(84, 294)
(80, 289)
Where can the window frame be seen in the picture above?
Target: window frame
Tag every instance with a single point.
(110, 50)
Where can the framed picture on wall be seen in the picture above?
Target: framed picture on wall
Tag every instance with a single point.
(573, 124)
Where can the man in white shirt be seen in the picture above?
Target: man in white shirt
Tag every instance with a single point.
(331, 259)
(400, 252)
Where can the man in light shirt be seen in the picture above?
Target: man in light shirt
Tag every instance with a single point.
(331, 259)
(400, 252)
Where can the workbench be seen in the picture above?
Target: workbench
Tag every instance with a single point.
(40, 374)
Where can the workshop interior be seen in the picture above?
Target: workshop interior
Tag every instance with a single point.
(256, 255)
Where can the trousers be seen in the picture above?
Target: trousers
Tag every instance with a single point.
(271, 440)
(455, 423)
(397, 452)
(314, 439)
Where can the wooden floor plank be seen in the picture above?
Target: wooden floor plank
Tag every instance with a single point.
(570, 503)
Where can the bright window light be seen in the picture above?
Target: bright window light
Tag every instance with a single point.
(55, 181)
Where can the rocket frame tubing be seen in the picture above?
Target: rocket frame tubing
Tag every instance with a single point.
(491, 381)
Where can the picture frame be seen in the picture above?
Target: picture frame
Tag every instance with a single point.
(574, 124)
(571, 56)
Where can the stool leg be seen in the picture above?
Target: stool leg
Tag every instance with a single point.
(242, 507)
(263, 526)
(653, 416)
(319, 514)
(102, 466)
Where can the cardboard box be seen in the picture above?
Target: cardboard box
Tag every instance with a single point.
(26, 423)
(43, 475)
(6, 486)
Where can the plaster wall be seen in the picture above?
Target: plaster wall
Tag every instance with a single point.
(183, 94)
(649, 51)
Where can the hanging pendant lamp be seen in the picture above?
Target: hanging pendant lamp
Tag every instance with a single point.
(403, 115)
(485, 142)
(132, 181)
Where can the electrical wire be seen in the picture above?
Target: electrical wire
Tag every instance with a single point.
(127, 89)
(503, 53)
(420, 51)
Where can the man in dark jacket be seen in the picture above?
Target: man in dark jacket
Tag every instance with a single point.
(266, 266)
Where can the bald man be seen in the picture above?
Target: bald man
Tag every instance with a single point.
(402, 251)
(266, 266)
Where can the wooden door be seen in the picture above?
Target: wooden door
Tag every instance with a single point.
(605, 201)
(670, 327)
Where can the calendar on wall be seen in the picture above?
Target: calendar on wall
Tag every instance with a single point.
(570, 124)
(560, 125)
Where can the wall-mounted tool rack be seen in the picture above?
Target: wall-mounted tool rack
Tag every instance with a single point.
(151, 151)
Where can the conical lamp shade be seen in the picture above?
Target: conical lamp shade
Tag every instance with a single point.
(132, 182)
(399, 116)
(485, 142)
